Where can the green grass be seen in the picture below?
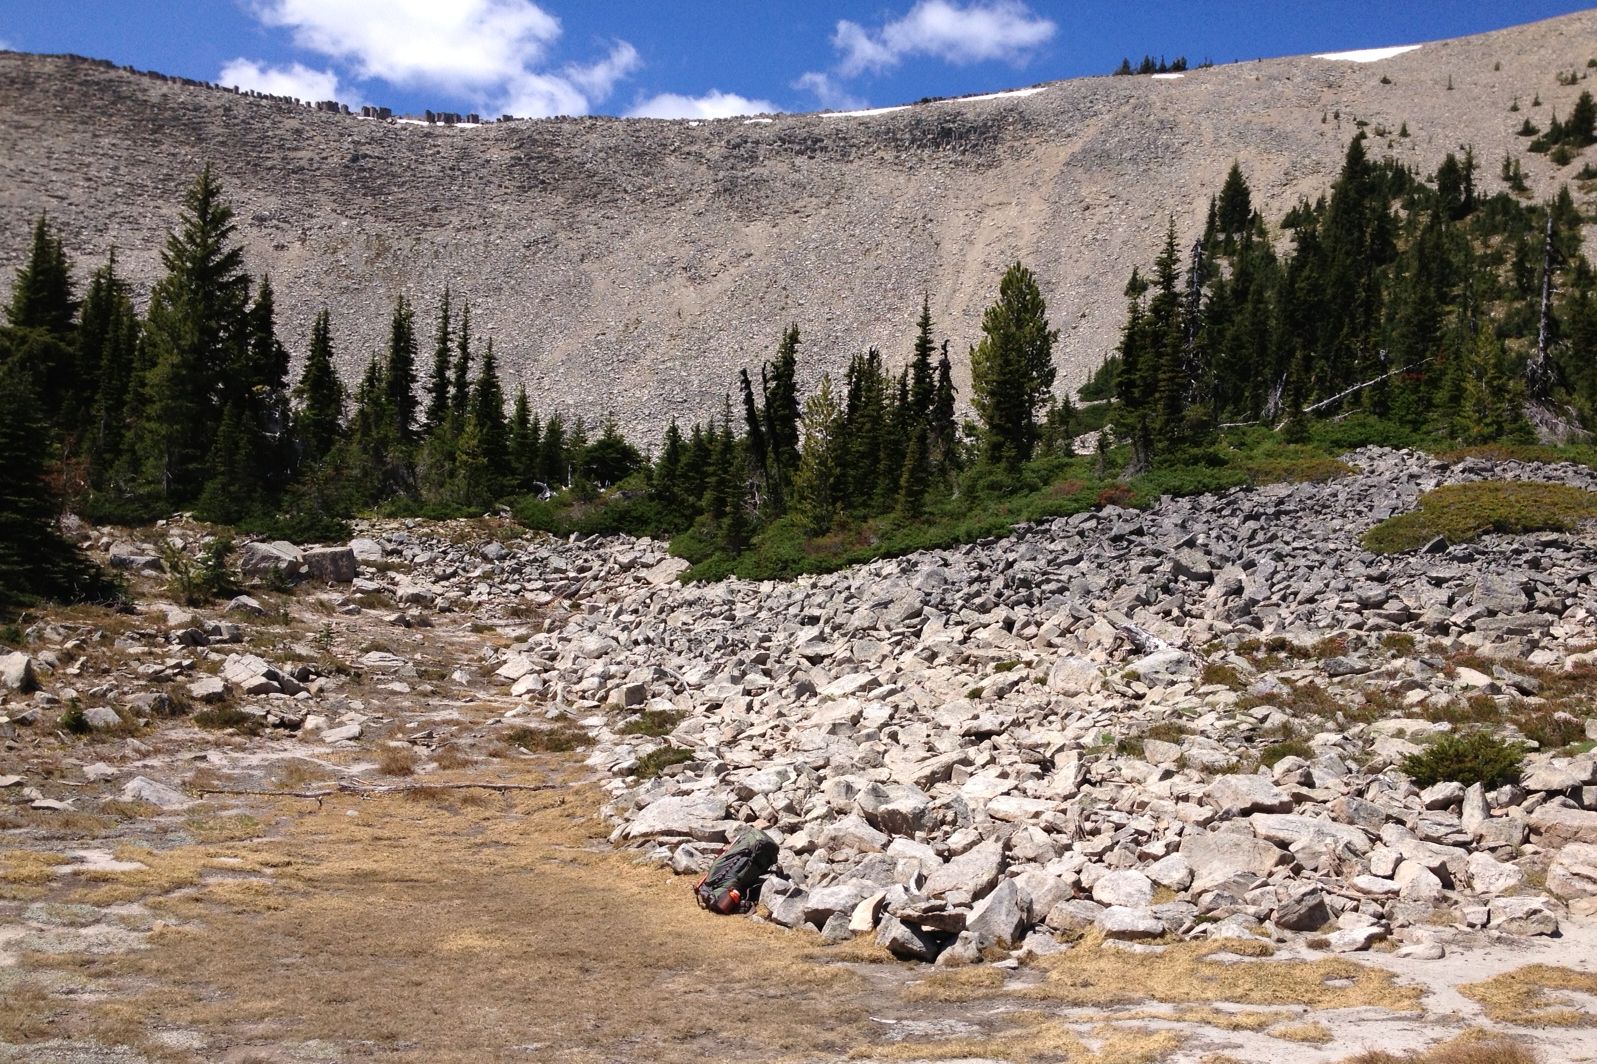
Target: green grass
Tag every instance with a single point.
(1471, 757)
(653, 722)
(1465, 512)
(652, 764)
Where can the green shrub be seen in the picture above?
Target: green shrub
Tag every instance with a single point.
(1271, 755)
(220, 718)
(73, 719)
(652, 764)
(299, 527)
(557, 740)
(1467, 758)
(653, 722)
(1465, 512)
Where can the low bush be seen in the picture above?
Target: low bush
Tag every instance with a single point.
(653, 722)
(652, 764)
(1464, 512)
(557, 740)
(1467, 758)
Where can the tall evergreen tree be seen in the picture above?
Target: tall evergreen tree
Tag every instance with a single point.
(524, 433)
(107, 338)
(944, 429)
(460, 387)
(321, 397)
(196, 328)
(818, 484)
(488, 411)
(1233, 212)
(42, 292)
(399, 374)
(1012, 368)
(438, 383)
(922, 382)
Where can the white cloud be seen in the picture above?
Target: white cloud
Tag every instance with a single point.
(944, 29)
(494, 50)
(295, 80)
(713, 104)
(828, 93)
(7, 46)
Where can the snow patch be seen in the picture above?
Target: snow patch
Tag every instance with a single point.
(998, 95)
(1368, 55)
(1167, 77)
(758, 121)
(865, 113)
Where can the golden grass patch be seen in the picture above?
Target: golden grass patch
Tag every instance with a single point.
(24, 1014)
(1525, 996)
(1471, 1047)
(1093, 973)
(1315, 1033)
(1038, 1036)
(24, 874)
(957, 984)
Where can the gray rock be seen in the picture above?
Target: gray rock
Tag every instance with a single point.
(142, 789)
(1521, 915)
(1487, 875)
(346, 733)
(1127, 888)
(102, 718)
(366, 550)
(1120, 922)
(974, 872)
(331, 565)
(1239, 794)
(907, 942)
(260, 559)
(1305, 910)
(1356, 939)
(208, 689)
(839, 898)
(1557, 825)
(1002, 917)
(1217, 857)
(677, 816)
(1573, 873)
(836, 930)
(17, 673)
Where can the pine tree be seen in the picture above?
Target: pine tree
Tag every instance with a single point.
(817, 486)
(552, 454)
(438, 383)
(944, 429)
(321, 397)
(922, 382)
(523, 443)
(263, 397)
(196, 328)
(1167, 338)
(399, 374)
(460, 389)
(667, 488)
(915, 478)
(1012, 368)
(1233, 211)
(488, 411)
(1492, 396)
(34, 560)
(107, 338)
(232, 492)
(41, 293)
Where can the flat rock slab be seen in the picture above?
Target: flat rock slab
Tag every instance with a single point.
(677, 816)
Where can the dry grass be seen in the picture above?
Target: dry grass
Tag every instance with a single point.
(397, 761)
(1313, 1033)
(24, 1012)
(426, 930)
(957, 984)
(24, 874)
(1471, 1047)
(1522, 997)
(231, 828)
(1038, 1036)
(1188, 973)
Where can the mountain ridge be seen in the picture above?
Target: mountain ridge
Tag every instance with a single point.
(632, 266)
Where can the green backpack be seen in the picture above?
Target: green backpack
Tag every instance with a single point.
(732, 883)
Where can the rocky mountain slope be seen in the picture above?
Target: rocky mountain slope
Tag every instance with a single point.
(632, 266)
(1181, 726)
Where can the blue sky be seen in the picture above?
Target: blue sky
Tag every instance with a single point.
(696, 58)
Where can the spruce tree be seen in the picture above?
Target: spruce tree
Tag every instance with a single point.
(523, 443)
(667, 488)
(488, 411)
(41, 293)
(1012, 368)
(196, 330)
(1233, 213)
(817, 486)
(438, 383)
(922, 382)
(460, 387)
(552, 454)
(321, 397)
(943, 428)
(107, 338)
(915, 478)
(399, 374)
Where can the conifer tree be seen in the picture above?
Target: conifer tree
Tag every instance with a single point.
(262, 395)
(1233, 212)
(196, 328)
(321, 397)
(552, 453)
(667, 487)
(818, 484)
(107, 338)
(233, 491)
(1012, 368)
(460, 388)
(943, 428)
(915, 478)
(524, 433)
(781, 411)
(438, 383)
(399, 374)
(922, 381)
(488, 411)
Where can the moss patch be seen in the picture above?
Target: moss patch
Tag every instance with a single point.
(1465, 512)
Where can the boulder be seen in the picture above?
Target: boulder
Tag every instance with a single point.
(908, 942)
(677, 816)
(1242, 793)
(142, 789)
(973, 872)
(1217, 857)
(1128, 924)
(102, 718)
(1304, 910)
(1488, 875)
(1002, 916)
(1127, 888)
(259, 560)
(1356, 939)
(17, 673)
(330, 565)
(1524, 915)
(1292, 831)
(1573, 873)
(1559, 825)
(366, 550)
